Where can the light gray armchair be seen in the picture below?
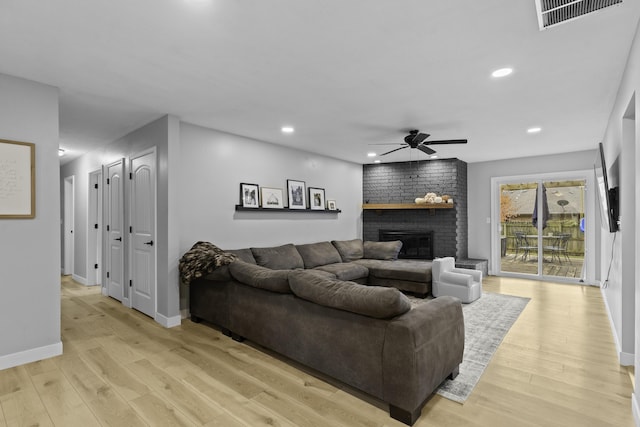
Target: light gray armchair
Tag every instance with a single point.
(461, 283)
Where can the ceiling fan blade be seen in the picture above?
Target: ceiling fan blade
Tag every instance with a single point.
(447, 141)
(388, 152)
(389, 143)
(420, 137)
(425, 149)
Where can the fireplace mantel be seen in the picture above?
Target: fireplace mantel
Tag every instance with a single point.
(383, 206)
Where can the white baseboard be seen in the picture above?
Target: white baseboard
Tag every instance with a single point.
(625, 359)
(32, 355)
(81, 280)
(635, 409)
(168, 322)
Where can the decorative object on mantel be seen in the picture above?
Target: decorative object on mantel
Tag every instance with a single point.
(433, 198)
(297, 194)
(249, 195)
(397, 206)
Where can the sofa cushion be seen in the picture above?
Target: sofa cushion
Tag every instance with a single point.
(401, 269)
(345, 270)
(261, 277)
(284, 257)
(382, 250)
(350, 250)
(243, 254)
(372, 301)
(321, 253)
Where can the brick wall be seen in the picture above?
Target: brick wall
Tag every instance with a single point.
(404, 181)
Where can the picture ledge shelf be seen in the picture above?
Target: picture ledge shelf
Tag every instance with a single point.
(285, 209)
(383, 206)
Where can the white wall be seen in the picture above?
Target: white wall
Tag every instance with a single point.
(622, 295)
(213, 164)
(30, 248)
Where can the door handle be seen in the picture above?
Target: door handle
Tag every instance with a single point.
(150, 243)
(119, 239)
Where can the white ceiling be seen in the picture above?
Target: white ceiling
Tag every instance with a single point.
(345, 74)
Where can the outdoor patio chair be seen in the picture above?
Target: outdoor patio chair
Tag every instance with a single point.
(522, 244)
(559, 249)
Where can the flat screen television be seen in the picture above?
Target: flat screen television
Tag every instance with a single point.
(607, 197)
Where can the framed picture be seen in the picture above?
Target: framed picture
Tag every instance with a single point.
(249, 197)
(17, 179)
(297, 194)
(316, 199)
(331, 205)
(271, 198)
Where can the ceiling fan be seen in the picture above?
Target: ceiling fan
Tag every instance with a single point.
(416, 139)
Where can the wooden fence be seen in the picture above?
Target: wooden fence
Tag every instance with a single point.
(576, 241)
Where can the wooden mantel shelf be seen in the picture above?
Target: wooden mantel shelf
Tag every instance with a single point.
(382, 206)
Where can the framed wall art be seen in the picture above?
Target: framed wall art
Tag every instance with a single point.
(297, 194)
(249, 197)
(17, 179)
(331, 205)
(272, 198)
(316, 199)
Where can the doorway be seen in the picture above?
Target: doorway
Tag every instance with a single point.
(94, 231)
(69, 206)
(543, 227)
(143, 233)
(114, 229)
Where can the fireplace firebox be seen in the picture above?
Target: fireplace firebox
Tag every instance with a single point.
(416, 244)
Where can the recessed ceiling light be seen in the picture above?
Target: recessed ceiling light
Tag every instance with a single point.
(434, 156)
(372, 154)
(60, 152)
(502, 72)
(376, 161)
(534, 130)
(287, 129)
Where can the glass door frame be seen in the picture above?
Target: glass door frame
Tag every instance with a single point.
(590, 227)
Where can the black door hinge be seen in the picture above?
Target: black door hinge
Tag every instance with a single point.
(95, 265)
(130, 283)
(95, 226)
(107, 228)
(130, 229)
(130, 175)
(95, 186)
(107, 274)
(108, 181)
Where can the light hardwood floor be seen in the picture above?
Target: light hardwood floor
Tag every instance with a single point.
(556, 367)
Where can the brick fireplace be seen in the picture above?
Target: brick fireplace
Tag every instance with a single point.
(402, 182)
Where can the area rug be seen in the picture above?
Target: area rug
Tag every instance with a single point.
(486, 322)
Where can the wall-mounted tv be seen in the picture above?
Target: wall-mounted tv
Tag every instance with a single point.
(607, 197)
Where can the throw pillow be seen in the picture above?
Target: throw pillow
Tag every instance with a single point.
(316, 254)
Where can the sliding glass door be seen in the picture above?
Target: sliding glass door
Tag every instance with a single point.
(542, 227)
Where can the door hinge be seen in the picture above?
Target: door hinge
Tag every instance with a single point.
(107, 274)
(95, 226)
(130, 229)
(108, 181)
(107, 228)
(130, 175)
(130, 283)
(95, 265)
(95, 186)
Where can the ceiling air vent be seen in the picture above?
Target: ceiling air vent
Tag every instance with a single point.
(554, 12)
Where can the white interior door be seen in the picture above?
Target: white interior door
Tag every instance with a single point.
(143, 233)
(69, 205)
(94, 232)
(114, 225)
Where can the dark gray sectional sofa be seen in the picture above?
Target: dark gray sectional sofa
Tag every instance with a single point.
(336, 307)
